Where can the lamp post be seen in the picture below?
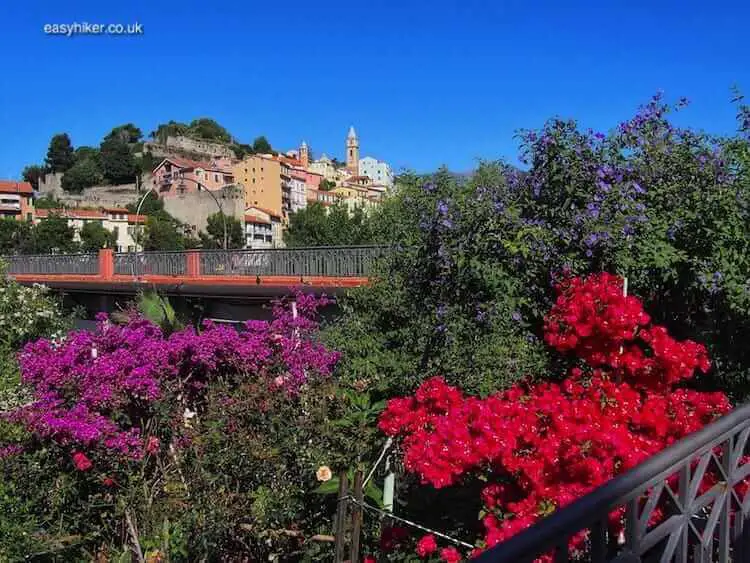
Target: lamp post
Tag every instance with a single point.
(216, 200)
(138, 230)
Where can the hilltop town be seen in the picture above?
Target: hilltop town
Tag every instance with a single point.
(193, 178)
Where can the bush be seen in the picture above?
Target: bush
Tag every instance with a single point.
(539, 447)
(208, 442)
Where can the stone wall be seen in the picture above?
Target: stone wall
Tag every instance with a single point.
(193, 209)
(95, 196)
(185, 146)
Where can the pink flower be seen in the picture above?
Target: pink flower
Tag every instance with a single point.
(108, 482)
(81, 462)
(426, 546)
(450, 555)
(369, 559)
(153, 444)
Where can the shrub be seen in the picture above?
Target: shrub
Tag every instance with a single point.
(208, 442)
(538, 447)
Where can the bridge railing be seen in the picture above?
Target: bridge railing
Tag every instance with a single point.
(668, 514)
(79, 264)
(332, 261)
(150, 263)
(321, 261)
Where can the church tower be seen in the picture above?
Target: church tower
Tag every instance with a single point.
(304, 154)
(352, 152)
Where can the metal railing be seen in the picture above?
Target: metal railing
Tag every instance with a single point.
(333, 261)
(83, 264)
(330, 261)
(710, 526)
(151, 263)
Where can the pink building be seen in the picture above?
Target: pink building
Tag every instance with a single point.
(312, 179)
(176, 176)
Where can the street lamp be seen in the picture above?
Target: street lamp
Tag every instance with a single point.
(138, 230)
(218, 203)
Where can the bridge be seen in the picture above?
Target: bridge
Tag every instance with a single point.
(234, 273)
(230, 285)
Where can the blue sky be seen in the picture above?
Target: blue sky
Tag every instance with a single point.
(424, 82)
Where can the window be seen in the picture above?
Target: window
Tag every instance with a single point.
(216, 178)
(253, 180)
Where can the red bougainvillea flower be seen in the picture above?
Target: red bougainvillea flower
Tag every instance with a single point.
(541, 446)
(369, 559)
(426, 546)
(108, 482)
(152, 445)
(450, 555)
(81, 462)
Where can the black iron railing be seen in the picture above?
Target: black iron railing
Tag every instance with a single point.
(700, 527)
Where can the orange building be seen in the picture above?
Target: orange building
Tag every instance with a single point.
(261, 180)
(16, 200)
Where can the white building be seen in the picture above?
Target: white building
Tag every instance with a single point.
(293, 190)
(262, 229)
(378, 171)
(325, 167)
(125, 225)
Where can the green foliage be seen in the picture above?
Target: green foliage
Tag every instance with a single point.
(317, 225)
(127, 133)
(94, 236)
(241, 150)
(14, 236)
(326, 185)
(60, 154)
(48, 202)
(169, 129)
(53, 234)
(118, 163)
(83, 174)
(262, 146)
(209, 129)
(162, 234)
(32, 174)
(214, 236)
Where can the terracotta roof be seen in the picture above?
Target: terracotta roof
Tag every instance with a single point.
(13, 187)
(72, 213)
(187, 164)
(133, 218)
(264, 210)
(115, 210)
(256, 220)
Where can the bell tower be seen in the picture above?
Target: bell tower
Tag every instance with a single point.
(304, 154)
(352, 152)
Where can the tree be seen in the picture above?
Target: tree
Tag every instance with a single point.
(151, 206)
(94, 236)
(214, 235)
(32, 174)
(53, 234)
(60, 155)
(241, 150)
(162, 234)
(14, 235)
(118, 163)
(127, 133)
(83, 174)
(326, 185)
(206, 128)
(84, 152)
(262, 146)
(317, 225)
(169, 129)
(48, 202)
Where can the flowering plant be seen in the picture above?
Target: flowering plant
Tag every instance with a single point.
(541, 446)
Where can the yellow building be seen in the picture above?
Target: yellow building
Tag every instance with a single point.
(260, 177)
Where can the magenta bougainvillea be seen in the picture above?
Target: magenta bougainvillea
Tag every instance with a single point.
(95, 391)
(542, 445)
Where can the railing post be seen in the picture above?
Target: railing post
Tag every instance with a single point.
(193, 266)
(106, 263)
